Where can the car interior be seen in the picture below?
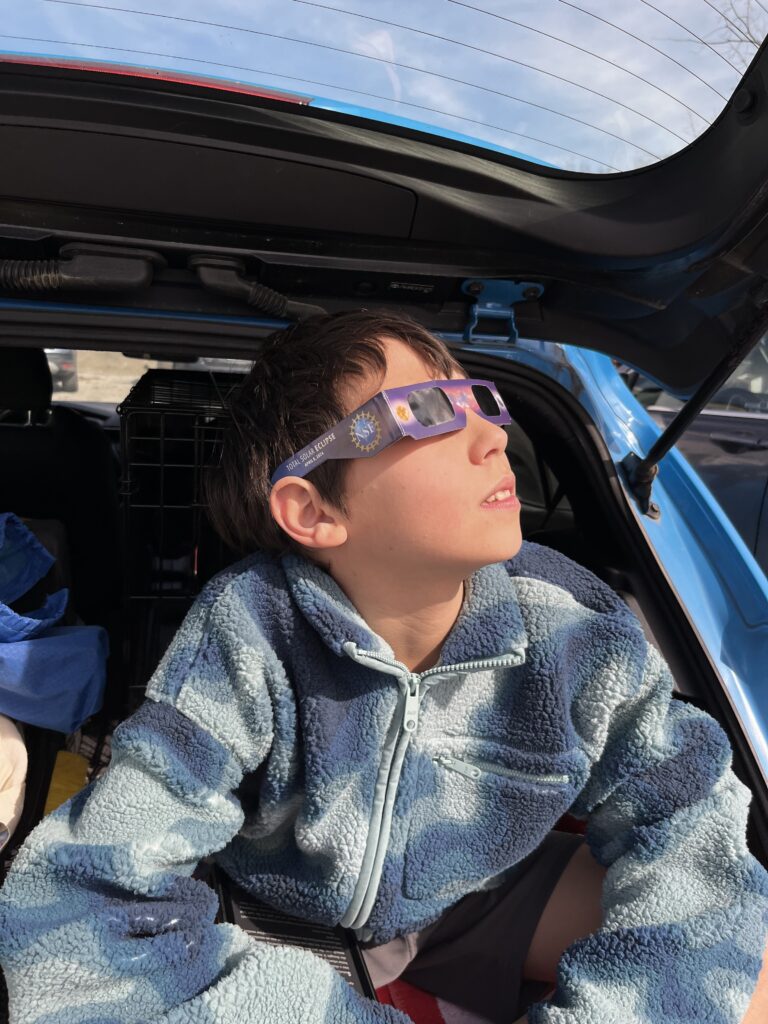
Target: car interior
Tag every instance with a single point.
(115, 493)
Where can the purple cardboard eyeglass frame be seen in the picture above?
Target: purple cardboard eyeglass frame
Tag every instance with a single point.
(421, 410)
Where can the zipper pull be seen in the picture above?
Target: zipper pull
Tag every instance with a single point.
(411, 710)
(454, 765)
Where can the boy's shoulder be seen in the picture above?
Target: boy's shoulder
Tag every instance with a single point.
(254, 582)
(258, 565)
(537, 562)
(562, 601)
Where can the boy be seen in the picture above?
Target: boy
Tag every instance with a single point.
(377, 719)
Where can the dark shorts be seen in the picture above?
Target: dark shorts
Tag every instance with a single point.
(473, 955)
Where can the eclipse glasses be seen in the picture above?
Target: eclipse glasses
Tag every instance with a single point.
(417, 410)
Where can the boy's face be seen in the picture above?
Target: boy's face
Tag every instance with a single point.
(418, 505)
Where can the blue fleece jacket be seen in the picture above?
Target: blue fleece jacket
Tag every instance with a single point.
(281, 734)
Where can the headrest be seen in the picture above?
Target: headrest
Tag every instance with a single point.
(25, 379)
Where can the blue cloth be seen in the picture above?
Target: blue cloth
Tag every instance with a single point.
(57, 680)
(49, 676)
(24, 561)
(283, 737)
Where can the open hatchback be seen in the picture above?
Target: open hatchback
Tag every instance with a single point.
(173, 222)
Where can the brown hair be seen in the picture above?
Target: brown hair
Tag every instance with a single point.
(294, 392)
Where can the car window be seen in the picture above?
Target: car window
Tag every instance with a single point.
(727, 444)
(81, 375)
(596, 88)
(746, 390)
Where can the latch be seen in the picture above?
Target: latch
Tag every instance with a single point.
(494, 308)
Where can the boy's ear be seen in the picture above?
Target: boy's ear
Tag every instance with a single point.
(298, 509)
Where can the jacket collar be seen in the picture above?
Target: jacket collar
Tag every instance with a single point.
(489, 624)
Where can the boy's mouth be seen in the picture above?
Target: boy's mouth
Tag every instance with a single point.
(503, 495)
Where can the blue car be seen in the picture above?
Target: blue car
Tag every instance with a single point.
(160, 224)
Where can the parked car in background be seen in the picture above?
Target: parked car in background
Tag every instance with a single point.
(63, 366)
(727, 444)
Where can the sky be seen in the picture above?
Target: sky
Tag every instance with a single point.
(593, 85)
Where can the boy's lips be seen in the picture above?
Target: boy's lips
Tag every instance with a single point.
(507, 483)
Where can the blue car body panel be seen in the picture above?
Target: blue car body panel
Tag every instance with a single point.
(155, 314)
(422, 126)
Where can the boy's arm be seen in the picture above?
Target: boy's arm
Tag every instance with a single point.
(99, 916)
(685, 905)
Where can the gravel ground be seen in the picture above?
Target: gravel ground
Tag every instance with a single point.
(105, 377)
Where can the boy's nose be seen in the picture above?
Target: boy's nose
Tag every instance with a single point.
(488, 437)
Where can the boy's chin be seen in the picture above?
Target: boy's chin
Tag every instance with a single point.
(503, 552)
(512, 544)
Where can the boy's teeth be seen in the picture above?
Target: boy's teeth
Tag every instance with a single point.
(499, 496)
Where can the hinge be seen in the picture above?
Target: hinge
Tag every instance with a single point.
(494, 308)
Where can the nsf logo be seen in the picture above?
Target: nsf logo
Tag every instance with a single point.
(365, 432)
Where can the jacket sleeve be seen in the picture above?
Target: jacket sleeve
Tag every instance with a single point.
(100, 919)
(685, 905)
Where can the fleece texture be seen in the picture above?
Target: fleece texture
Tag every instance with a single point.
(282, 737)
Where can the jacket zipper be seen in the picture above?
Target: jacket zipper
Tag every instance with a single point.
(473, 770)
(413, 685)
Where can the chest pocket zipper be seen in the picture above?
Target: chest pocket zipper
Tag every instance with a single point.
(479, 768)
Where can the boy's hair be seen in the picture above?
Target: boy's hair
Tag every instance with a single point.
(294, 392)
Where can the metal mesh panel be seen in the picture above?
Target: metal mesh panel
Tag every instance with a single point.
(172, 423)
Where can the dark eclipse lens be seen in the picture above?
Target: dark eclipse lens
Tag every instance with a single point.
(486, 401)
(431, 406)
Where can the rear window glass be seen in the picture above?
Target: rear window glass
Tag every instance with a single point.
(588, 86)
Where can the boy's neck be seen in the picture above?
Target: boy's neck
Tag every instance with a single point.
(414, 621)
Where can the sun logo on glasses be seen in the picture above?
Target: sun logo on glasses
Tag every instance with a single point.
(403, 413)
(365, 432)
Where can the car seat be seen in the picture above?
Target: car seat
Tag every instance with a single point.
(56, 464)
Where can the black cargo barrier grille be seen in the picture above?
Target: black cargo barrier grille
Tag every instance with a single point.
(172, 425)
(183, 390)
